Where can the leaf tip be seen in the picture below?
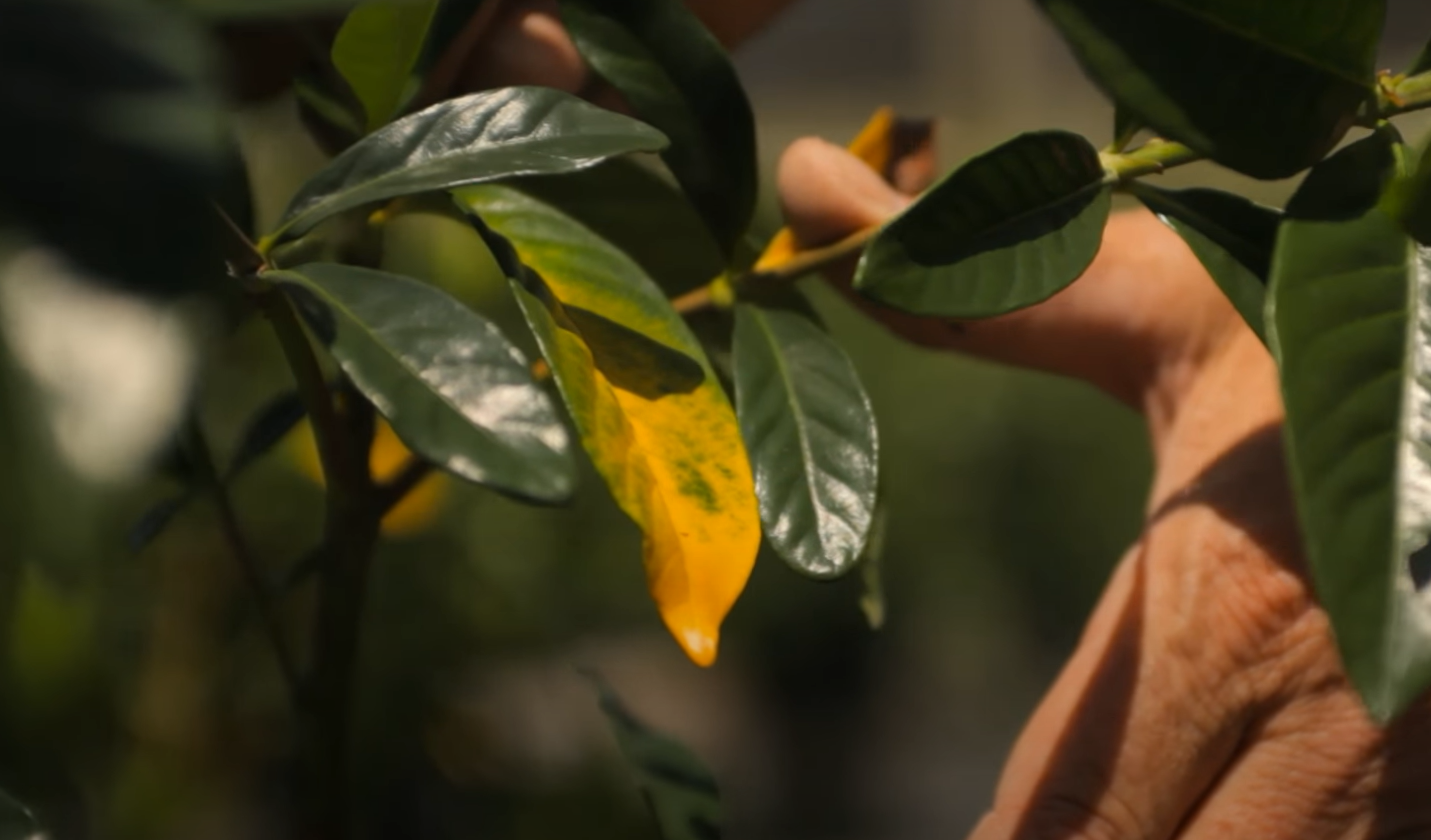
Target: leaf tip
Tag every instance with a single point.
(699, 642)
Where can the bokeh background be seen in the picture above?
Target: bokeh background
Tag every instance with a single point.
(142, 702)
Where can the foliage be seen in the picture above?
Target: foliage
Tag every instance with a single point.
(611, 230)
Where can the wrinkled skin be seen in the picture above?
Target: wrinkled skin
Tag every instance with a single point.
(1206, 698)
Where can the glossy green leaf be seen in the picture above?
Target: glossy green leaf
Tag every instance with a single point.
(676, 76)
(114, 142)
(1258, 87)
(377, 50)
(1231, 236)
(678, 788)
(1006, 230)
(487, 136)
(454, 389)
(810, 431)
(1349, 321)
(641, 213)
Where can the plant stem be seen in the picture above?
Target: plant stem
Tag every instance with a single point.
(1397, 95)
(312, 385)
(198, 448)
(344, 431)
(723, 291)
(1151, 158)
(350, 534)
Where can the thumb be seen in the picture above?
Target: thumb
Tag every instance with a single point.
(1142, 316)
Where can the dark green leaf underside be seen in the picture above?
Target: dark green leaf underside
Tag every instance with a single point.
(1259, 89)
(1232, 237)
(1349, 320)
(676, 76)
(1006, 230)
(504, 133)
(453, 388)
(810, 431)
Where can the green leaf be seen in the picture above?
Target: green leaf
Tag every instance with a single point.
(454, 389)
(1422, 64)
(115, 140)
(810, 431)
(680, 792)
(1232, 237)
(377, 50)
(1349, 321)
(675, 76)
(1006, 230)
(483, 137)
(872, 600)
(641, 213)
(1257, 87)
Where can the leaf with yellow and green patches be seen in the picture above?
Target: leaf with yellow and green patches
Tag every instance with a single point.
(650, 411)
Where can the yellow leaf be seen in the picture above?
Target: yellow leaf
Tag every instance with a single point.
(417, 511)
(900, 150)
(649, 409)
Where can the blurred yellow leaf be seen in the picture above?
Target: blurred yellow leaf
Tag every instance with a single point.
(650, 411)
(900, 150)
(416, 512)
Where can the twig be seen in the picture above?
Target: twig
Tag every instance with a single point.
(722, 291)
(312, 385)
(198, 448)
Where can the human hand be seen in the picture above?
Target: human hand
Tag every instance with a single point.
(1206, 698)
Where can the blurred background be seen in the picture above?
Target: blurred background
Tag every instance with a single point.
(143, 703)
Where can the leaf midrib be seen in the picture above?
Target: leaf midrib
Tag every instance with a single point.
(806, 454)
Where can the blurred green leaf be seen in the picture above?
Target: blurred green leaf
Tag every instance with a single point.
(268, 426)
(378, 49)
(16, 821)
(872, 600)
(810, 431)
(1231, 236)
(641, 213)
(677, 77)
(114, 140)
(482, 137)
(1349, 321)
(1422, 64)
(678, 788)
(1258, 87)
(1006, 230)
(454, 389)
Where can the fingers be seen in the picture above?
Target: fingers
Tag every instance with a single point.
(1319, 769)
(1125, 743)
(527, 46)
(1143, 311)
